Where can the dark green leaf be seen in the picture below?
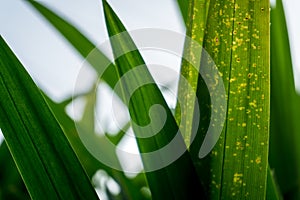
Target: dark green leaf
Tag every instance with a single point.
(272, 187)
(178, 180)
(285, 109)
(35, 139)
(11, 183)
(183, 6)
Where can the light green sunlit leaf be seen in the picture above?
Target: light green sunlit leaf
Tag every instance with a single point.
(237, 39)
(197, 15)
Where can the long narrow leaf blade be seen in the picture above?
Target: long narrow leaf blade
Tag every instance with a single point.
(197, 14)
(237, 39)
(44, 157)
(178, 180)
(183, 6)
(285, 109)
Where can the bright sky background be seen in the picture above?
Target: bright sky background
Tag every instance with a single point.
(54, 65)
(49, 58)
(52, 62)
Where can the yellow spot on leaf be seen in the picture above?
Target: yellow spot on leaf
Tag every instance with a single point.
(241, 108)
(243, 85)
(232, 80)
(253, 104)
(258, 160)
(220, 12)
(237, 178)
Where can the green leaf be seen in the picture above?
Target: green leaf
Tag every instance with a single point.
(272, 187)
(197, 15)
(285, 109)
(163, 183)
(237, 39)
(11, 183)
(38, 145)
(183, 6)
